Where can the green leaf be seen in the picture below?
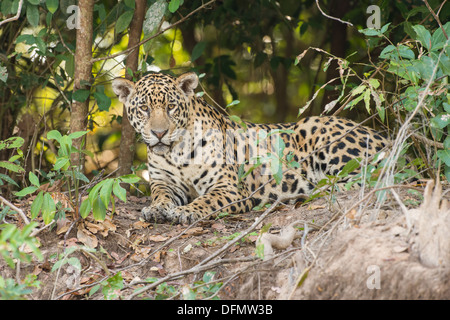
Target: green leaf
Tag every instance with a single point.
(103, 101)
(85, 208)
(438, 39)
(198, 50)
(99, 210)
(385, 27)
(423, 35)
(130, 178)
(52, 5)
(444, 155)
(119, 192)
(153, 16)
(124, 21)
(80, 95)
(26, 38)
(233, 103)
(35, 2)
(174, 5)
(441, 121)
(26, 191)
(48, 208)
(80, 176)
(60, 163)
(359, 89)
(105, 192)
(33, 14)
(78, 134)
(93, 194)
(54, 134)
(367, 100)
(276, 168)
(33, 179)
(130, 3)
(8, 179)
(349, 167)
(11, 166)
(37, 205)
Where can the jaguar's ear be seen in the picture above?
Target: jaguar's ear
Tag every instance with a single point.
(187, 82)
(122, 88)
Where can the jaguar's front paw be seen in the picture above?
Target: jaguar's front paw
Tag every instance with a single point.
(182, 215)
(156, 213)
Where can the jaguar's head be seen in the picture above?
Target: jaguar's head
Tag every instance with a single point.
(158, 106)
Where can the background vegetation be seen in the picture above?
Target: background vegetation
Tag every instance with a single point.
(273, 61)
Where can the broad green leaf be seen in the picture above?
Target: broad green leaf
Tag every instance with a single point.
(26, 191)
(76, 135)
(233, 103)
(103, 101)
(349, 167)
(93, 194)
(130, 3)
(198, 50)
(105, 191)
(85, 208)
(130, 178)
(80, 176)
(80, 95)
(442, 120)
(11, 166)
(48, 208)
(438, 39)
(33, 179)
(61, 163)
(33, 14)
(384, 28)
(374, 83)
(119, 192)
(359, 89)
(99, 210)
(8, 179)
(423, 35)
(444, 155)
(37, 205)
(153, 16)
(124, 21)
(52, 5)
(54, 134)
(174, 5)
(35, 2)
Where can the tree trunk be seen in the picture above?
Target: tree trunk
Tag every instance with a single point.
(127, 146)
(83, 74)
(338, 45)
(280, 78)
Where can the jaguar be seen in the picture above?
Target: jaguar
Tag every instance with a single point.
(202, 162)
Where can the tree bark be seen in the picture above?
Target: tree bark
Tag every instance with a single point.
(338, 44)
(127, 146)
(82, 74)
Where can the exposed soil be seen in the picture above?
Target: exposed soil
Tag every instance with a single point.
(369, 254)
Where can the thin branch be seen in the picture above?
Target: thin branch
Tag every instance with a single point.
(333, 18)
(19, 9)
(436, 17)
(18, 210)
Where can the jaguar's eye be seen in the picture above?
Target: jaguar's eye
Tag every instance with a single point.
(144, 108)
(171, 106)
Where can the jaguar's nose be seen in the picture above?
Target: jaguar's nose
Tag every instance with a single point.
(159, 134)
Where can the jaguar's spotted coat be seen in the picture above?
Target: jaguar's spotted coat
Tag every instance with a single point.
(195, 153)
